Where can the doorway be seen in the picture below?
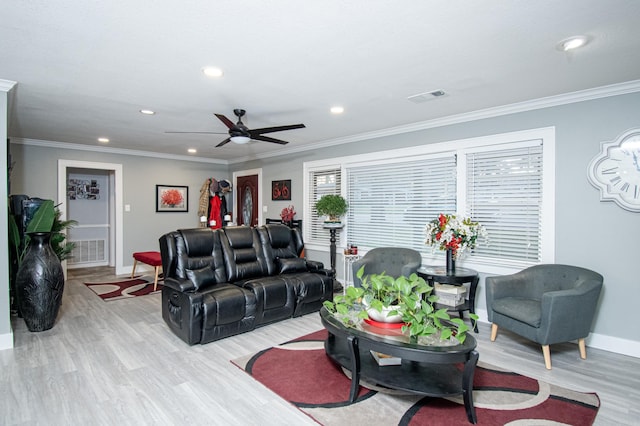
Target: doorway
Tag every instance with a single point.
(115, 202)
(248, 194)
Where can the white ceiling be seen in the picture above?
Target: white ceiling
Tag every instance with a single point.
(85, 68)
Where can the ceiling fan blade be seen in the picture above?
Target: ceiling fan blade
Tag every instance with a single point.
(230, 124)
(199, 133)
(268, 139)
(224, 142)
(276, 129)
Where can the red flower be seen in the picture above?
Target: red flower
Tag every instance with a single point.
(287, 214)
(171, 197)
(443, 221)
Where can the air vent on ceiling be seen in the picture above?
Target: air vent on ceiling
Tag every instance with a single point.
(426, 96)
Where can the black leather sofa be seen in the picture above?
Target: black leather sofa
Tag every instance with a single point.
(222, 282)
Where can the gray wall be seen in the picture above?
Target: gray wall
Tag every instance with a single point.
(589, 233)
(36, 171)
(600, 236)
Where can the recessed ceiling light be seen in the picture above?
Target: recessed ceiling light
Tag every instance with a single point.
(212, 72)
(192, 150)
(337, 110)
(147, 112)
(572, 43)
(103, 140)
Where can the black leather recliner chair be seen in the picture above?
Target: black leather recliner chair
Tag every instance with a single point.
(227, 281)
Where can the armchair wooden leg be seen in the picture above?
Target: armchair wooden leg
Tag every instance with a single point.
(547, 356)
(583, 349)
(494, 332)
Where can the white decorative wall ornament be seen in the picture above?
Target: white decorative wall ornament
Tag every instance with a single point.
(615, 171)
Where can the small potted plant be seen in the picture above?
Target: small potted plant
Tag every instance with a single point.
(333, 206)
(410, 299)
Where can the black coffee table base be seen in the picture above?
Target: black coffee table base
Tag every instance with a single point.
(432, 373)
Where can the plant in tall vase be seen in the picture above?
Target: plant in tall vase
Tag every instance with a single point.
(40, 278)
(455, 234)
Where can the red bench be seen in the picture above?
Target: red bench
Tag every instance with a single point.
(151, 258)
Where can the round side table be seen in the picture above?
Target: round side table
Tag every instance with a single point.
(439, 274)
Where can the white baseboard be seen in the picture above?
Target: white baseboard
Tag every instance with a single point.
(614, 344)
(6, 341)
(597, 341)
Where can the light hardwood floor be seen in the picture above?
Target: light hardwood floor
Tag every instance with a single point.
(116, 363)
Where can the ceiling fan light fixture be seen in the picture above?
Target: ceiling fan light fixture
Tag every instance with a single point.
(240, 140)
(337, 109)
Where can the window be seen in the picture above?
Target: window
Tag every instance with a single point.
(506, 182)
(320, 182)
(504, 193)
(389, 201)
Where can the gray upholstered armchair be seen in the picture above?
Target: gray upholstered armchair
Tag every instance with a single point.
(545, 303)
(393, 261)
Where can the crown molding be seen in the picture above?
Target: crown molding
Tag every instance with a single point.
(6, 85)
(109, 150)
(531, 105)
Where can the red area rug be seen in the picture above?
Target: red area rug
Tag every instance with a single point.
(124, 289)
(300, 372)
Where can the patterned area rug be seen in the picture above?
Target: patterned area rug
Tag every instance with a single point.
(300, 372)
(124, 289)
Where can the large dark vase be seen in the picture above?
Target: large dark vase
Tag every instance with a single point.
(40, 283)
(451, 262)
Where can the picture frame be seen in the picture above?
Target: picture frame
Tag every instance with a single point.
(172, 199)
(281, 189)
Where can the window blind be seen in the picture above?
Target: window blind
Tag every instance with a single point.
(321, 182)
(504, 193)
(390, 203)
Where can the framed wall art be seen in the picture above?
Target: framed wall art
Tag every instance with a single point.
(172, 198)
(281, 189)
(83, 189)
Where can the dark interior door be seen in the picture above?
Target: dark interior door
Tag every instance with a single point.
(247, 200)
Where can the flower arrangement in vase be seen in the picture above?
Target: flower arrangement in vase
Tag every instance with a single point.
(455, 234)
(287, 214)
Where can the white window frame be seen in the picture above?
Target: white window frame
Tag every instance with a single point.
(459, 147)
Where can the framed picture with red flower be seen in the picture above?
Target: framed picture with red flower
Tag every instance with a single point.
(172, 198)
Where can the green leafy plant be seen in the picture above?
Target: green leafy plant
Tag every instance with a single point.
(45, 219)
(410, 297)
(332, 205)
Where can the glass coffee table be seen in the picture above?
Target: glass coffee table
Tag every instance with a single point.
(437, 371)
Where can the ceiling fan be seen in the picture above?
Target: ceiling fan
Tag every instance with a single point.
(241, 134)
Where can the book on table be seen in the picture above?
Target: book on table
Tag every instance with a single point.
(384, 359)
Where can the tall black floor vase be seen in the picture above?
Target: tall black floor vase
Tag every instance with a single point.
(40, 283)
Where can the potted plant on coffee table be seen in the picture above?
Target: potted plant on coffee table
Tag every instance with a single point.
(409, 299)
